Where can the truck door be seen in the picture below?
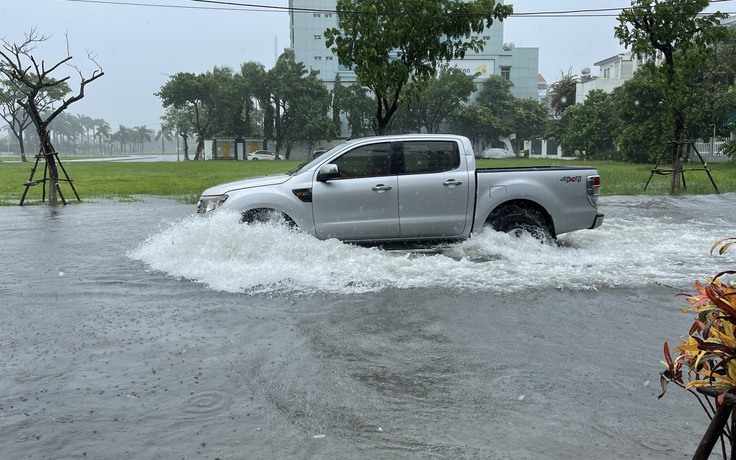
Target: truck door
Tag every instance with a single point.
(434, 190)
(362, 203)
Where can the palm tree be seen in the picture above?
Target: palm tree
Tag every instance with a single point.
(123, 136)
(102, 132)
(166, 133)
(142, 135)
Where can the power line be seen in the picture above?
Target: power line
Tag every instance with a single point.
(223, 5)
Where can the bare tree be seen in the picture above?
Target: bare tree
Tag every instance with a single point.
(33, 80)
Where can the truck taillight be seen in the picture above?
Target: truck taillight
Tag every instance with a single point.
(593, 189)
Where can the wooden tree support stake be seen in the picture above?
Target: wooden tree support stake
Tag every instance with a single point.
(665, 171)
(30, 182)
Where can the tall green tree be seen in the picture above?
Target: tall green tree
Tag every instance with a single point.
(300, 103)
(208, 99)
(142, 135)
(491, 116)
(473, 121)
(530, 121)
(640, 108)
(357, 105)
(166, 133)
(443, 96)
(256, 84)
(102, 133)
(495, 94)
(592, 127)
(683, 35)
(181, 125)
(387, 43)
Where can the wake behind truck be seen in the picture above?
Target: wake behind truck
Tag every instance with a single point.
(414, 188)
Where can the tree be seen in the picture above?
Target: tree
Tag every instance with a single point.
(251, 78)
(165, 134)
(443, 96)
(14, 114)
(679, 31)
(298, 99)
(178, 119)
(473, 121)
(141, 135)
(638, 104)
(102, 133)
(591, 128)
(530, 120)
(495, 95)
(34, 80)
(357, 105)
(193, 96)
(562, 93)
(387, 43)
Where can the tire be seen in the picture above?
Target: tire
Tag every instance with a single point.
(518, 221)
(263, 216)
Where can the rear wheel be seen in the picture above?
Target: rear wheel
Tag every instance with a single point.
(517, 220)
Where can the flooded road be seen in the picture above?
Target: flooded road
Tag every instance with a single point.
(137, 331)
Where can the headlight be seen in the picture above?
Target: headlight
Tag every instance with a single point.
(208, 203)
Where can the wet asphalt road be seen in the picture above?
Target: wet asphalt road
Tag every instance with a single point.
(104, 359)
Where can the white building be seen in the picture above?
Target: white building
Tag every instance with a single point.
(309, 19)
(612, 73)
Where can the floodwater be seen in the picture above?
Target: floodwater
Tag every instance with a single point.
(137, 330)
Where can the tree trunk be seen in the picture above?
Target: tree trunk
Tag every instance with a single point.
(21, 146)
(47, 149)
(675, 186)
(186, 147)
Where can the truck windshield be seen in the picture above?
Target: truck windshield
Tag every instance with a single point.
(307, 165)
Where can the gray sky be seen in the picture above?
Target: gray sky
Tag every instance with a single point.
(138, 45)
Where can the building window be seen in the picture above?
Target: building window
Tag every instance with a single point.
(328, 15)
(328, 58)
(316, 15)
(506, 72)
(486, 37)
(318, 58)
(317, 36)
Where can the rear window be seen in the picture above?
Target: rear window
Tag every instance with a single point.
(422, 157)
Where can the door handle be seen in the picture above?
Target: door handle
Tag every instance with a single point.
(452, 183)
(380, 188)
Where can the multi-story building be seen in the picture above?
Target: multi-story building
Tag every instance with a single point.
(309, 19)
(612, 73)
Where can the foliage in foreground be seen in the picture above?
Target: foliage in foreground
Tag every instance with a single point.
(707, 354)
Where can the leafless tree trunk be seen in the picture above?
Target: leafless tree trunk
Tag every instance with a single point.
(34, 80)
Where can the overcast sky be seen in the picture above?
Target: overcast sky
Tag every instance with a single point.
(139, 45)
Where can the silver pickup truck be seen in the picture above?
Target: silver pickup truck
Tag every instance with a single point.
(414, 188)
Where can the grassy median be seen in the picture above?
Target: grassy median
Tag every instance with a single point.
(185, 180)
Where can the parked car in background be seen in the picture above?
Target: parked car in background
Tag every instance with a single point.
(497, 153)
(261, 155)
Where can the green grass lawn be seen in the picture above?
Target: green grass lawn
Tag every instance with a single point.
(185, 180)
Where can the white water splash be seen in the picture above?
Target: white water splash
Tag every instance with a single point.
(629, 250)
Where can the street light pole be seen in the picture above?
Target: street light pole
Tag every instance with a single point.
(713, 141)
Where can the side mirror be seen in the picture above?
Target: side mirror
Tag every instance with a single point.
(328, 172)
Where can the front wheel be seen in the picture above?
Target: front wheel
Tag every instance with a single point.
(264, 216)
(519, 221)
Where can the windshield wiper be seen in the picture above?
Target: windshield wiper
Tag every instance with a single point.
(295, 170)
